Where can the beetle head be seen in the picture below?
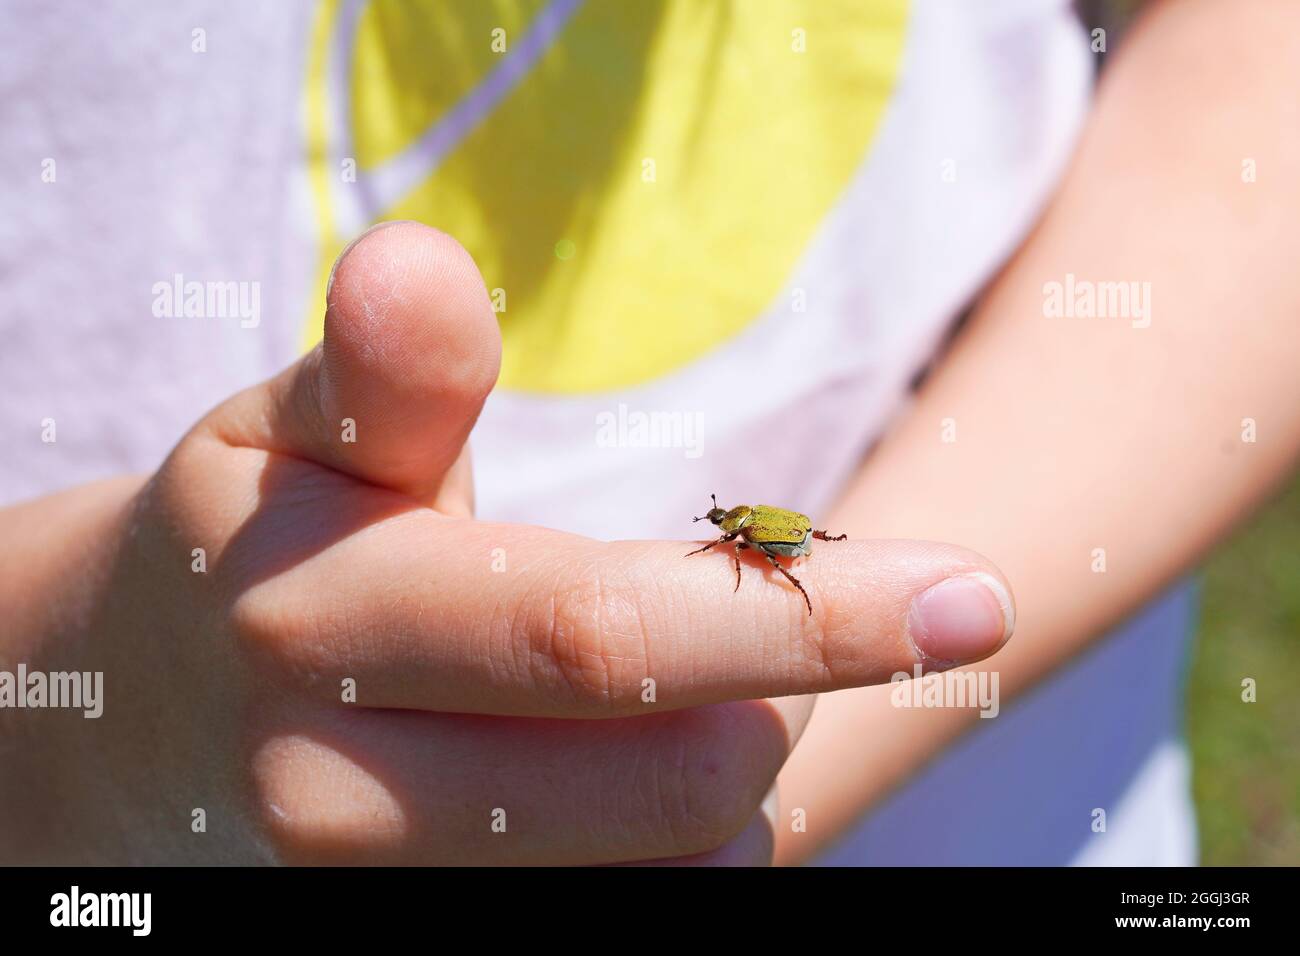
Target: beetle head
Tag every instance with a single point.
(715, 514)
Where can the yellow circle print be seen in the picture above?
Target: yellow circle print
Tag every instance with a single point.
(635, 178)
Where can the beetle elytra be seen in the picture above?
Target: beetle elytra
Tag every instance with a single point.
(773, 532)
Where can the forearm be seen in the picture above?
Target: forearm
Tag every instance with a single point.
(1073, 434)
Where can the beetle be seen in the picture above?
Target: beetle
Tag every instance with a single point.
(773, 532)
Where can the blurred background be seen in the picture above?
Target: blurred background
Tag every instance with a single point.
(1246, 757)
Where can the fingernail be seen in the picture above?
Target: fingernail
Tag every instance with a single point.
(329, 283)
(960, 619)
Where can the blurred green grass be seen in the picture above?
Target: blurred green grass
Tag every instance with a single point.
(1246, 757)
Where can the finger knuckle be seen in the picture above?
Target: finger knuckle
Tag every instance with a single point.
(709, 776)
(589, 642)
(317, 806)
(270, 632)
(257, 627)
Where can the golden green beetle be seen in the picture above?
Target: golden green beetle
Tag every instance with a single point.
(773, 532)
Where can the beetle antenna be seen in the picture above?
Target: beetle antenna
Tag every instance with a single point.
(715, 504)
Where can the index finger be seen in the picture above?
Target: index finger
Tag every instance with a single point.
(450, 614)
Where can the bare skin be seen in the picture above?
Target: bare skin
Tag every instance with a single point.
(332, 564)
(1108, 435)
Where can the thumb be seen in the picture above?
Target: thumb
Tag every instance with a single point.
(411, 351)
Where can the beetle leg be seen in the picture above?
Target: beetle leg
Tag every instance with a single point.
(792, 579)
(712, 544)
(825, 536)
(740, 546)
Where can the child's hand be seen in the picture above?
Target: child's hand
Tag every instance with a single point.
(331, 565)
